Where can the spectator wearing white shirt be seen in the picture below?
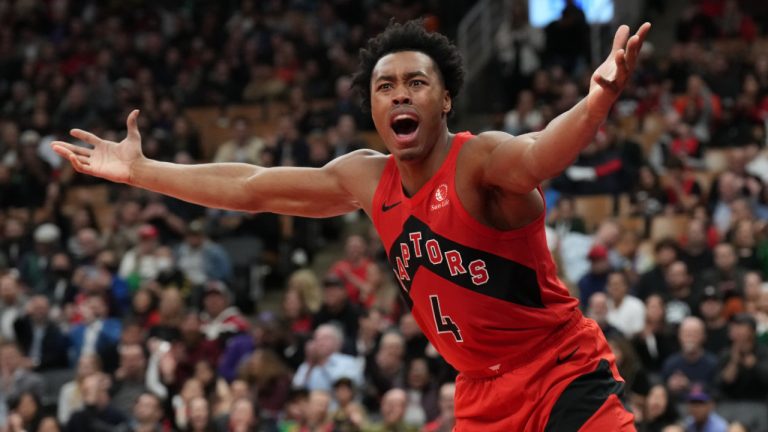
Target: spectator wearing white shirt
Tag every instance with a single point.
(324, 364)
(625, 312)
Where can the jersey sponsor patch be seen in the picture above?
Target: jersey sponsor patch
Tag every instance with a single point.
(418, 247)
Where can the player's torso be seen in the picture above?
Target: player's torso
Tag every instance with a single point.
(480, 295)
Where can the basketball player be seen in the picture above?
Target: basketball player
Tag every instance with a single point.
(462, 217)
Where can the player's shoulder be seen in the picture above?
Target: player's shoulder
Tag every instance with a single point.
(481, 145)
(364, 159)
(359, 165)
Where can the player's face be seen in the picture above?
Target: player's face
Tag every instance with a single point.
(409, 103)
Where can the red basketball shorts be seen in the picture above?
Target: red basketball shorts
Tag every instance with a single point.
(571, 386)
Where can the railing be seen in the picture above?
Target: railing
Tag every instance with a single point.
(476, 35)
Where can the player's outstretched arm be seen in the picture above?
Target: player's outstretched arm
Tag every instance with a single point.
(519, 164)
(311, 192)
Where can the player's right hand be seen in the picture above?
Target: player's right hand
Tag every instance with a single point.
(107, 159)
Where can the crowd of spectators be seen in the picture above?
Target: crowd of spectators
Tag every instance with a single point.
(122, 309)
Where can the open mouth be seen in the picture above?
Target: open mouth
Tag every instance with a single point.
(405, 127)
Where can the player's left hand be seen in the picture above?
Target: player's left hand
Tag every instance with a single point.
(611, 77)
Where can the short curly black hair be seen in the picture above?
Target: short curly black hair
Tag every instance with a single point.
(411, 36)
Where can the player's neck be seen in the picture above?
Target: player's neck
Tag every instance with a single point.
(415, 174)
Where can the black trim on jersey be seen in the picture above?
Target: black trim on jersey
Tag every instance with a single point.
(507, 280)
(583, 398)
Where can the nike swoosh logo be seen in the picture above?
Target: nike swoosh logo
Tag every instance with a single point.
(561, 360)
(386, 208)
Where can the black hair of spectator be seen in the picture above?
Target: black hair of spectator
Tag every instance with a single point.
(666, 243)
(675, 163)
(411, 36)
(622, 275)
(15, 401)
(297, 394)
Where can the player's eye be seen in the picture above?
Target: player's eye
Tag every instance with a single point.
(384, 86)
(417, 83)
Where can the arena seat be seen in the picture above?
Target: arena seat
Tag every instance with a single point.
(753, 415)
(672, 226)
(594, 209)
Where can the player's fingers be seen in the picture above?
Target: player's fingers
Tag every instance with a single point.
(620, 39)
(61, 150)
(84, 160)
(607, 84)
(72, 148)
(76, 164)
(133, 125)
(633, 51)
(621, 61)
(86, 137)
(642, 32)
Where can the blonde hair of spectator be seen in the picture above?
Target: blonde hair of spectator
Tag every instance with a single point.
(308, 286)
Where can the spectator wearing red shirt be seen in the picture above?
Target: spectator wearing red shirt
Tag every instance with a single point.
(353, 269)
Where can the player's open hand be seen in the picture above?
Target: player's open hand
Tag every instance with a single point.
(110, 160)
(611, 77)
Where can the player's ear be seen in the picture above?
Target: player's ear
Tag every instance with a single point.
(447, 102)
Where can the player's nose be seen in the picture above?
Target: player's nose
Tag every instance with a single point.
(401, 97)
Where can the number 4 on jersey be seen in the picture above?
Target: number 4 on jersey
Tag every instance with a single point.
(444, 323)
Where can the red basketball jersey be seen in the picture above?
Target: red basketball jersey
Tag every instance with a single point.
(482, 296)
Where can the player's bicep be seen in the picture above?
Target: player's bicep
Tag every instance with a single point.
(309, 192)
(509, 163)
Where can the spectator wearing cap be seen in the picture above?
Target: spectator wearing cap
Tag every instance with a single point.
(324, 363)
(744, 368)
(146, 260)
(34, 264)
(200, 259)
(336, 307)
(597, 277)
(701, 413)
(711, 312)
(693, 364)
(220, 318)
(625, 312)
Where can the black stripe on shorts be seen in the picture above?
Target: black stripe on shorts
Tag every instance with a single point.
(583, 398)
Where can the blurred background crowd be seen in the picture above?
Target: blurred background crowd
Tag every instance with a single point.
(124, 310)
